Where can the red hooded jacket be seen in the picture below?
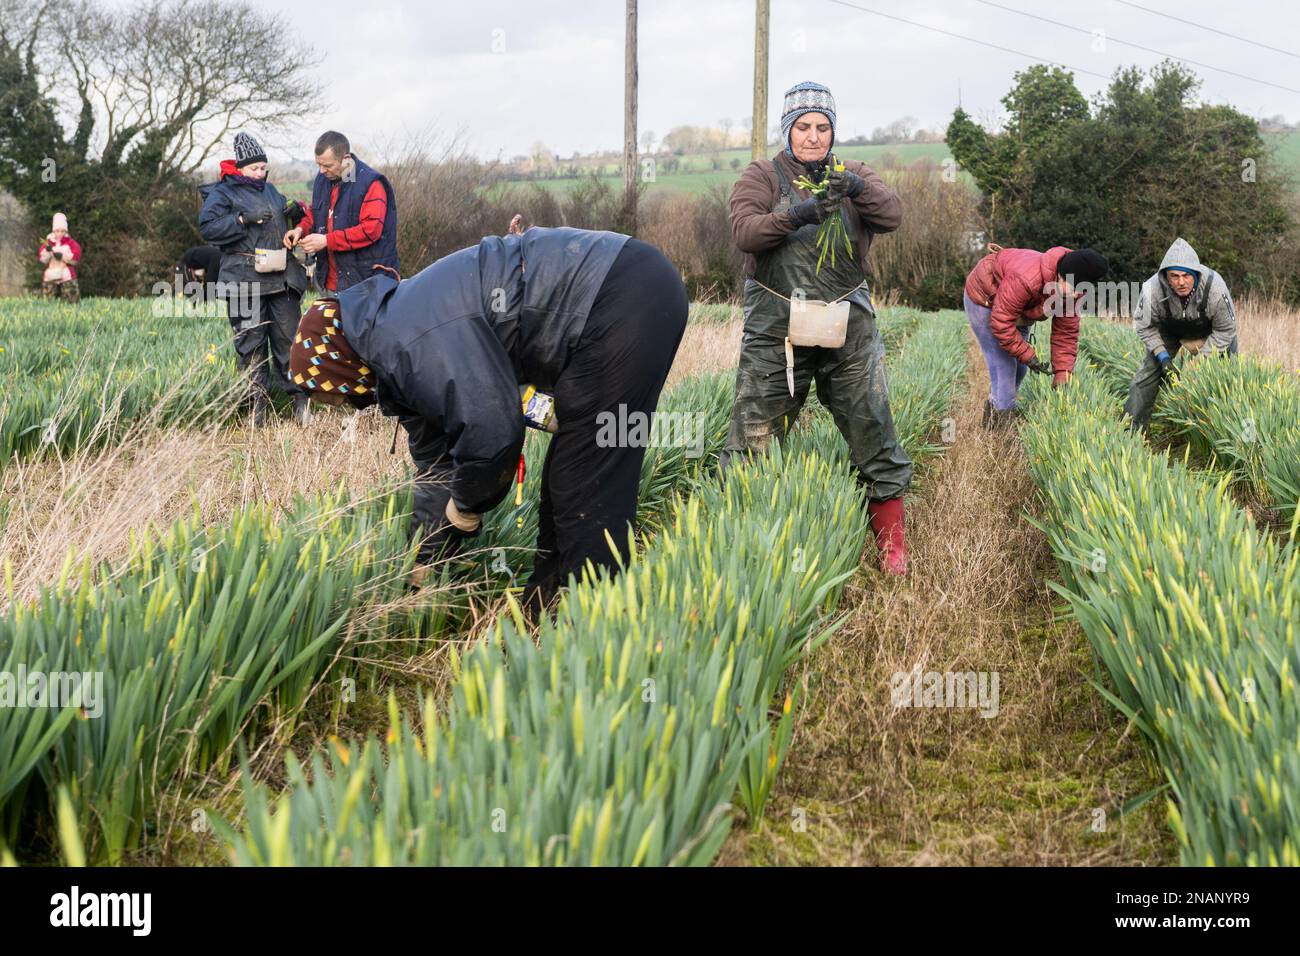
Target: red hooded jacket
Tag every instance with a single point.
(1016, 284)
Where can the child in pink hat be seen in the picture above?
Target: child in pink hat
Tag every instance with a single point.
(60, 254)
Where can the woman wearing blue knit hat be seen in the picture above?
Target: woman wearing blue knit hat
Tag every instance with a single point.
(808, 320)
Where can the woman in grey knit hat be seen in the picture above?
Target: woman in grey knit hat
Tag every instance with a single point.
(775, 224)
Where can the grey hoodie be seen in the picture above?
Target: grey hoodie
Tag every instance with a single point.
(1209, 306)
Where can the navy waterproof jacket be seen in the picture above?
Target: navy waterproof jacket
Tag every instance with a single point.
(450, 346)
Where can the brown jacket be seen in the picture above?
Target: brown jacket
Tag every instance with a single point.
(756, 228)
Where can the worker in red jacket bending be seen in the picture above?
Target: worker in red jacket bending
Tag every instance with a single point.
(1006, 293)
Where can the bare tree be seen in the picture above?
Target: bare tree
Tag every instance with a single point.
(726, 124)
(542, 158)
(174, 78)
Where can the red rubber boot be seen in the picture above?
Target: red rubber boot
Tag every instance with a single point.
(888, 524)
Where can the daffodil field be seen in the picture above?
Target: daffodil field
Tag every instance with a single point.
(203, 635)
(1243, 413)
(207, 634)
(624, 730)
(1191, 609)
(652, 716)
(212, 639)
(71, 377)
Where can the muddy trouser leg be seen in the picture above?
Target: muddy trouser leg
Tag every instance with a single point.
(251, 335)
(1146, 385)
(764, 406)
(593, 471)
(281, 312)
(851, 382)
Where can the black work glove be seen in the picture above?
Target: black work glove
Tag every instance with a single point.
(1039, 366)
(807, 213)
(845, 184)
(294, 211)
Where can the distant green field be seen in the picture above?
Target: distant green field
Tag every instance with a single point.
(903, 155)
(300, 190)
(1288, 150)
(696, 174)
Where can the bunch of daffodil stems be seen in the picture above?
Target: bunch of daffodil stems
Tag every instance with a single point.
(831, 234)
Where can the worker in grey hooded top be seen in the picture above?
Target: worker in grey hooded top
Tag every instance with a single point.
(1183, 300)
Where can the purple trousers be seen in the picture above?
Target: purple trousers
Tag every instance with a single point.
(1005, 370)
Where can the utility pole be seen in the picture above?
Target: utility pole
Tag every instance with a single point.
(629, 123)
(758, 128)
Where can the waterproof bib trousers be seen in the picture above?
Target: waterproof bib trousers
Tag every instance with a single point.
(850, 380)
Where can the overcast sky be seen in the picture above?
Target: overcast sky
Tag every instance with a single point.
(507, 73)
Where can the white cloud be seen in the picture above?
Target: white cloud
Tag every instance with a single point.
(393, 67)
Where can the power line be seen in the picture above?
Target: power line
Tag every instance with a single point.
(959, 36)
(1201, 26)
(1137, 46)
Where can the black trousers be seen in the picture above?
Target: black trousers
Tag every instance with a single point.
(589, 486)
(263, 337)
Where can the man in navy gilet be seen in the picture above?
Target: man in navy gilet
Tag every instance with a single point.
(351, 227)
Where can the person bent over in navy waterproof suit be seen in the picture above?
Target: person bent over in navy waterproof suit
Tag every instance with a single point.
(592, 319)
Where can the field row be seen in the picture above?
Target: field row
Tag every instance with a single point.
(189, 661)
(173, 602)
(1193, 613)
